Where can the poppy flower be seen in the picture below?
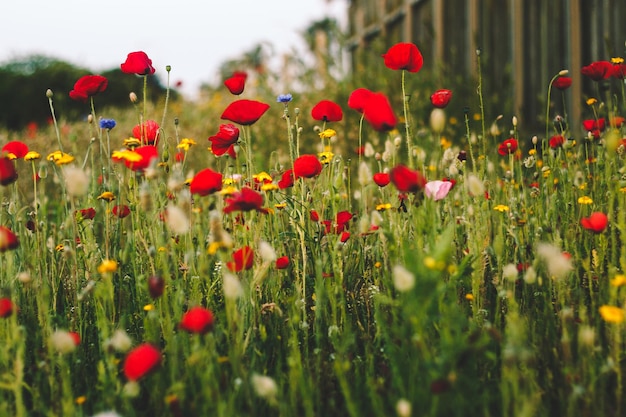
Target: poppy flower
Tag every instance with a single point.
(404, 56)
(88, 86)
(327, 111)
(121, 211)
(236, 83)
(344, 237)
(224, 141)
(562, 83)
(286, 180)
(282, 262)
(594, 124)
(87, 213)
(307, 166)
(197, 320)
(146, 153)
(619, 71)
(245, 200)
(244, 112)
(437, 190)
(598, 70)
(596, 222)
(8, 174)
(147, 132)
(378, 113)
(556, 141)
(508, 147)
(15, 149)
(141, 361)
(206, 182)
(441, 98)
(7, 307)
(406, 179)
(138, 63)
(8, 239)
(341, 221)
(382, 179)
(358, 98)
(617, 121)
(242, 259)
(314, 216)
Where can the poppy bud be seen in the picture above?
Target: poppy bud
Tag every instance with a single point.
(156, 285)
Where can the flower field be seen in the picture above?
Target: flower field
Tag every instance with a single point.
(375, 268)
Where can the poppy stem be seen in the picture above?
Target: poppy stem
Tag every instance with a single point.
(405, 105)
(54, 120)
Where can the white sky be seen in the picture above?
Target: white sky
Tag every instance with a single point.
(194, 37)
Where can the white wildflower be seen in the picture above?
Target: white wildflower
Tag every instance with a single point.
(231, 286)
(557, 263)
(177, 221)
(403, 279)
(76, 181)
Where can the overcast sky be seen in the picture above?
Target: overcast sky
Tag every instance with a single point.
(194, 37)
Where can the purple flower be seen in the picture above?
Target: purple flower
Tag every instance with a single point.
(284, 98)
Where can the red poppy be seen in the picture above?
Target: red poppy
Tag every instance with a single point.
(407, 180)
(556, 141)
(245, 200)
(242, 259)
(596, 222)
(314, 216)
(147, 132)
(15, 149)
(75, 338)
(594, 124)
(206, 182)
(404, 56)
(359, 98)
(282, 262)
(286, 180)
(245, 112)
(141, 361)
(7, 307)
(147, 153)
(8, 174)
(508, 147)
(327, 111)
(562, 83)
(88, 86)
(441, 98)
(341, 221)
(344, 237)
(619, 71)
(224, 141)
(138, 63)
(156, 286)
(306, 166)
(87, 213)
(598, 70)
(378, 113)
(236, 83)
(121, 211)
(382, 179)
(197, 320)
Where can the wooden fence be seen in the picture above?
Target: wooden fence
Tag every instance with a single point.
(523, 43)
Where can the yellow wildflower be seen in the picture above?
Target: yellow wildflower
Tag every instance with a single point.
(612, 314)
(262, 177)
(132, 143)
(445, 143)
(107, 195)
(327, 134)
(148, 307)
(59, 247)
(585, 200)
(453, 120)
(591, 101)
(617, 60)
(80, 400)
(229, 190)
(107, 265)
(280, 206)
(619, 280)
(325, 157)
(532, 152)
(10, 155)
(60, 158)
(383, 207)
(186, 143)
(31, 156)
(378, 264)
(476, 116)
(501, 208)
(126, 155)
(269, 187)
(469, 297)
(622, 190)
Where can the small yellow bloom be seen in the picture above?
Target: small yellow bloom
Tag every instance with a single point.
(469, 297)
(622, 190)
(325, 157)
(383, 207)
(476, 116)
(214, 247)
(162, 249)
(619, 280)
(280, 206)
(430, 262)
(60, 158)
(188, 181)
(59, 247)
(501, 208)
(585, 200)
(378, 264)
(532, 152)
(132, 143)
(80, 400)
(453, 120)
(445, 143)
(148, 307)
(591, 101)
(107, 195)
(432, 168)
(617, 60)
(10, 155)
(31, 156)
(327, 134)
(126, 155)
(230, 190)
(612, 314)
(107, 265)
(262, 177)
(269, 187)
(186, 143)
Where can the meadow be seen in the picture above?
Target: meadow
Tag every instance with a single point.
(315, 258)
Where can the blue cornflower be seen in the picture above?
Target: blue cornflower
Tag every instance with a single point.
(284, 98)
(107, 124)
